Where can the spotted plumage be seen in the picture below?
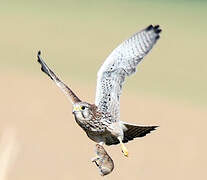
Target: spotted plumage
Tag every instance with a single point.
(101, 121)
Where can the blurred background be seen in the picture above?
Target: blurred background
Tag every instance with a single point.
(168, 90)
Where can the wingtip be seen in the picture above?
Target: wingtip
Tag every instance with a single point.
(156, 28)
(149, 27)
(157, 37)
(38, 56)
(39, 53)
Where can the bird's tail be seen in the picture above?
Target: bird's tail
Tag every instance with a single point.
(133, 131)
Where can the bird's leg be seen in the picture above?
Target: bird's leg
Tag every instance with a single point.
(123, 148)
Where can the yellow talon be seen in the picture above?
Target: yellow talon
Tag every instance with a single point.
(124, 150)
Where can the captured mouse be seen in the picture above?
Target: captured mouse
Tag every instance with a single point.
(103, 160)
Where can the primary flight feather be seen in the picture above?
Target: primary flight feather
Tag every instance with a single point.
(101, 121)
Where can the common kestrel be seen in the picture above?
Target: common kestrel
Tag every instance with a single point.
(101, 121)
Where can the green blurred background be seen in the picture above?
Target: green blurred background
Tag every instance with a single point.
(169, 88)
(83, 33)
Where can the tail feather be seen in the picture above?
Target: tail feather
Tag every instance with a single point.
(133, 131)
(130, 132)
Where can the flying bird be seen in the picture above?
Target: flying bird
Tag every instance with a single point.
(101, 121)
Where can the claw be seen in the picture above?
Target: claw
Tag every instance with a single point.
(124, 150)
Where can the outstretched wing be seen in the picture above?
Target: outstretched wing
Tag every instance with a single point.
(120, 63)
(66, 90)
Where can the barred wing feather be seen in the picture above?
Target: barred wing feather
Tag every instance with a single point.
(120, 63)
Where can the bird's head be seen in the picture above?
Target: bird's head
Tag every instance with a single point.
(83, 111)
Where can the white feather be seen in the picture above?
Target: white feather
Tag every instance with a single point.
(120, 63)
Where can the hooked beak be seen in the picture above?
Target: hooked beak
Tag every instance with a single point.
(76, 108)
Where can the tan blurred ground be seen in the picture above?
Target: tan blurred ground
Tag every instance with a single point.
(168, 90)
(54, 147)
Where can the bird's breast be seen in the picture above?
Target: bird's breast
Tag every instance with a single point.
(91, 125)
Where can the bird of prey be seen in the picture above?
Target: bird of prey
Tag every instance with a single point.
(101, 121)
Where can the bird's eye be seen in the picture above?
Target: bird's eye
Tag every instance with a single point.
(83, 107)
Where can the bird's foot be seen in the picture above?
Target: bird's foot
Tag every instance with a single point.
(124, 150)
